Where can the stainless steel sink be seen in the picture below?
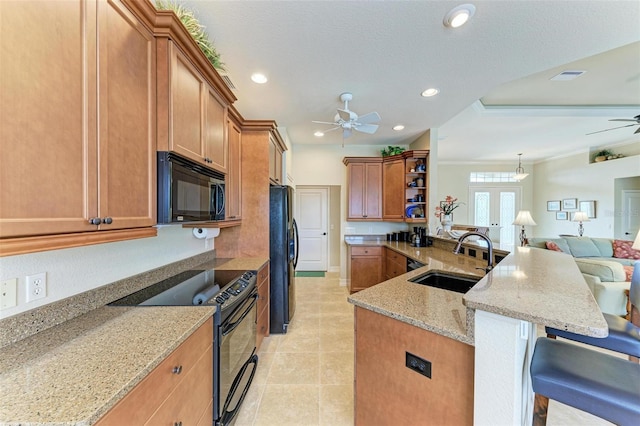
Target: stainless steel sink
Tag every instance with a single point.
(448, 281)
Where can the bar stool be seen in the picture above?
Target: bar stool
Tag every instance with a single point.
(594, 382)
(624, 336)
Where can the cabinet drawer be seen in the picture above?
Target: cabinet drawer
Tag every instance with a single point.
(263, 274)
(191, 397)
(395, 256)
(366, 251)
(140, 404)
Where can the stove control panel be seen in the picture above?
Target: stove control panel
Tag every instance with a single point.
(235, 288)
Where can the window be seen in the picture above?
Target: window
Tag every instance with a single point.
(482, 177)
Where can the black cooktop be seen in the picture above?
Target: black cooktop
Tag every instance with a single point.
(189, 288)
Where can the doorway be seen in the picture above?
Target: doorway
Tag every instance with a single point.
(496, 208)
(630, 214)
(313, 211)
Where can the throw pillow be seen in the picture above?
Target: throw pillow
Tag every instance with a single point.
(622, 250)
(628, 270)
(553, 246)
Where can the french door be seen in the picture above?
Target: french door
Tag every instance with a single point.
(496, 208)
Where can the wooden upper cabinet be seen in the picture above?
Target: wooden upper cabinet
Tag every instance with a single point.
(393, 194)
(127, 104)
(234, 176)
(76, 141)
(364, 188)
(276, 150)
(192, 115)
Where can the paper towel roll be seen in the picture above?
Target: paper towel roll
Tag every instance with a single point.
(200, 233)
(205, 294)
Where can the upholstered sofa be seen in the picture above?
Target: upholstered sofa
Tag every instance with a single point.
(606, 265)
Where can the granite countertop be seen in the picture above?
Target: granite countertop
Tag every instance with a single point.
(433, 309)
(540, 286)
(75, 372)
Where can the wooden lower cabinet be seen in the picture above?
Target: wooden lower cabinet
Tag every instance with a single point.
(262, 326)
(387, 392)
(180, 389)
(395, 264)
(365, 267)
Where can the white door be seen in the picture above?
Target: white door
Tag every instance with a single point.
(496, 207)
(631, 214)
(312, 228)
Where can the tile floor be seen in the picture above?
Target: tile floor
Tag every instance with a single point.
(305, 378)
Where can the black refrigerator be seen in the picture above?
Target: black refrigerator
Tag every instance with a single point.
(283, 254)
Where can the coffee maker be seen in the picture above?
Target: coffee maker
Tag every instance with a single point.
(419, 237)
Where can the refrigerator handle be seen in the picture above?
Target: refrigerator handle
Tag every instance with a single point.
(295, 231)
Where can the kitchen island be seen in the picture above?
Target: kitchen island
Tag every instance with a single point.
(498, 317)
(75, 372)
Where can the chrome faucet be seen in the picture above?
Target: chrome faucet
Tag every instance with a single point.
(489, 248)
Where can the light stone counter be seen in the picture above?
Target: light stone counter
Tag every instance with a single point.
(74, 372)
(432, 309)
(539, 286)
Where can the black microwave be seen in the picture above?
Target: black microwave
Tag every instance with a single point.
(187, 191)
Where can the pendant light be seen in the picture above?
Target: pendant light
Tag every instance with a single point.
(520, 174)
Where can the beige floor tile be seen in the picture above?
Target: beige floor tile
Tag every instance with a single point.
(336, 322)
(336, 340)
(333, 307)
(247, 414)
(336, 405)
(295, 368)
(289, 405)
(336, 368)
(301, 340)
(270, 343)
(265, 360)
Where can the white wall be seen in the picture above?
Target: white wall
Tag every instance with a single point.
(574, 177)
(76, 270)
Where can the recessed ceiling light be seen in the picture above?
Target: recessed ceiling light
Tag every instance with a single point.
(318, 134)
(459, 15)
(259, 78)
(398, 127)
(430, 92)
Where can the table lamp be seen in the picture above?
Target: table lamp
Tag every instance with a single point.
(580, 217)
(524, 218)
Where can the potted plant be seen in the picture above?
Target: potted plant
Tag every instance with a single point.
(602, 155)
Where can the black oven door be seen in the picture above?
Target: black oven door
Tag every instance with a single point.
(238, 361)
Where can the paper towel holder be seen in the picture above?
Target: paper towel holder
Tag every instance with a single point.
(200, 233)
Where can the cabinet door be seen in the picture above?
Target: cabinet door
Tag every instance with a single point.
(275, 162)
(126, 108)
(47, 117)
(393, 190)
(234, 176)
(186, 107)
(366, 271)
(216, 143)
(364, 191)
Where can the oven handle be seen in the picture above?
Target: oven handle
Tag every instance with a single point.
(227, 416)
(228, 328)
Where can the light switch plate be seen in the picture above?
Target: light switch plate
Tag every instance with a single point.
(8, 293)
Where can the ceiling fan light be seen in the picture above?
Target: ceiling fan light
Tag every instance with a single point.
(430, 92)
(459, 15)
(398, 127)
(318, 134)
(259, 78)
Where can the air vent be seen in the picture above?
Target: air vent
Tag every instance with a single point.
(567, 75)
(228, 82)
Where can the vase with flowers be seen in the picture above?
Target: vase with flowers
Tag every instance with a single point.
(445, 211)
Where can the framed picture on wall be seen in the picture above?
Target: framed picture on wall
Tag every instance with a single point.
(589, 207)
(570, 204)
(562, 216)
(553, 206)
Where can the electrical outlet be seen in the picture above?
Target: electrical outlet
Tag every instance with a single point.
(8, 293)
(36, 286)
(418, 364)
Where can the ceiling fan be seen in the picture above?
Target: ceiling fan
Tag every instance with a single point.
(348, 120)
(635, 120)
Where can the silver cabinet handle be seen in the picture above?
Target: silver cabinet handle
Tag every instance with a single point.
(95, 221)
(177, 369)
(107, 220)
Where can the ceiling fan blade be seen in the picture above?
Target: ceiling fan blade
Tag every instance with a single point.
(324, 122)
(624, 119)
(613, 128)
(372, 117)
(367, 128)
(333, 128)
(344, 114)
(346, 133)
(637, 131)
